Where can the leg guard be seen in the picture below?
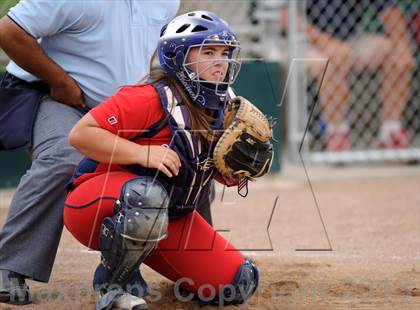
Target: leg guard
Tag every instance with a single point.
(242, 288)
(127, 238)
(135, 285)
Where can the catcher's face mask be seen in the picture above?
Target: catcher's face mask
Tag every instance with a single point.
(213, 64)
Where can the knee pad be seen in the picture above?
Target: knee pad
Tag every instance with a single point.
(143, 210)
(242, 287)
(128, 237)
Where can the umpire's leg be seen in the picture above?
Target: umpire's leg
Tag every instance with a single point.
(30, 236)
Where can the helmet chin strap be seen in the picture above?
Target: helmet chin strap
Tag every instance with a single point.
(217, 124)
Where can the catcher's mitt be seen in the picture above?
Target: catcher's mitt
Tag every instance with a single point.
(244, 149)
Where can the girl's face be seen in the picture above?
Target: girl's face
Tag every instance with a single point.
(208, 61)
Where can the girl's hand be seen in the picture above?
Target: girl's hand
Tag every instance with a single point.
(161, 158)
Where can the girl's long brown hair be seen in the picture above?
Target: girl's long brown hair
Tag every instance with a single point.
(200, 119)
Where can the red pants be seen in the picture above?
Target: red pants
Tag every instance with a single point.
(193, 249)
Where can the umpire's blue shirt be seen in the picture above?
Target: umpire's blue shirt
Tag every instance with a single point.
(102, 44)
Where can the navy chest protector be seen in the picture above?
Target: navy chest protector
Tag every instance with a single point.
(192, 184)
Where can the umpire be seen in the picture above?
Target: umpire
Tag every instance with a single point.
(75, 53)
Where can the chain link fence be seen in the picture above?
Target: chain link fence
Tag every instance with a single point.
(357, 65)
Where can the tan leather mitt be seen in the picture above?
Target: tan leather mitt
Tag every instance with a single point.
(244, 150)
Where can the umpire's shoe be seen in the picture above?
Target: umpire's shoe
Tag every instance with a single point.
(13, 289)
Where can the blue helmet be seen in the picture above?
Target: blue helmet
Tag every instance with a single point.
(197, 29)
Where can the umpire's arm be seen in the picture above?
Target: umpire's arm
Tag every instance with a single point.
(25, 51)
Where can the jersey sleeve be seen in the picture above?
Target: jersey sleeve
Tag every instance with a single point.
(41, 18)
(129, 112)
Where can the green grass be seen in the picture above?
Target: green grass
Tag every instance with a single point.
(2, 69)
(5, 5)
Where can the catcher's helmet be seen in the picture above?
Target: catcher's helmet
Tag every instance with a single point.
(196, 29)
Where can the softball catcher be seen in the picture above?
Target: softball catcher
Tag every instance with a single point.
(152, 150)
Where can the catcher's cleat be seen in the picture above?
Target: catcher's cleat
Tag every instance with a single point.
(130, 302)
(13, 289)
(118, 299)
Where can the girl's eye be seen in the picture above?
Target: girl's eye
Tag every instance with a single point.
(208, 53)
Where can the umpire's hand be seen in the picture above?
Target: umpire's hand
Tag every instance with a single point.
(68, 92)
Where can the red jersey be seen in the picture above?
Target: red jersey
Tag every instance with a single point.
(131, 111)
(127, 114)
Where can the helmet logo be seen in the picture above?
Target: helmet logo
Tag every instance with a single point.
(188, 86)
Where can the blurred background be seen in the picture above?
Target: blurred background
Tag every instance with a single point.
(341, 78)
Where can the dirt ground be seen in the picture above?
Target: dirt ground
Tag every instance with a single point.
(372, 223)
